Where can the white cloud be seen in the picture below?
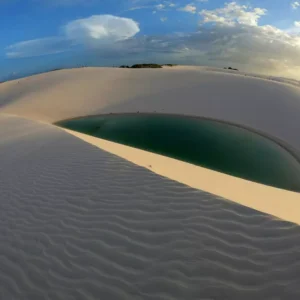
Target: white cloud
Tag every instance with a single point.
(190, 8)
(260, 49)
(295, 4)
(37, 47)
(101, 29)
(160, 6)
(95, 31)
(233, 13)
(139, 7)
(297, 24)
(172, 5)
(163, 19)
(233, 37)
(237, 37)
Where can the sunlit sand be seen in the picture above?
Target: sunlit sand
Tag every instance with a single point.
(99, 218)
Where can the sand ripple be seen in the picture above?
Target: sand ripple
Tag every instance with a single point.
(79, 223)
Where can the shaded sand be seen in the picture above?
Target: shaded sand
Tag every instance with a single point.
(270, 107)
(280, 203)
(80, 223)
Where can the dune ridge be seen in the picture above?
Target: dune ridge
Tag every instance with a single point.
(86, 224)
(83, 218)
(260, 104)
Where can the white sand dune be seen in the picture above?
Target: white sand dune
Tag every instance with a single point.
(80, 223)
(271, 107)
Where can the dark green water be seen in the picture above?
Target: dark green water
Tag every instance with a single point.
(211, 144)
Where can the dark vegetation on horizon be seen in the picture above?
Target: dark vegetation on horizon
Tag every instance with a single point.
(233, 69)
(142, 66)
(135, 66)
(291, 81)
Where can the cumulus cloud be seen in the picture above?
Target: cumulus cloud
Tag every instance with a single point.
(190, 8)
(295, 4)
(95, 31)
(160, 6)
(233, 13)
(101, 29)
(236, 36)
(297, 24)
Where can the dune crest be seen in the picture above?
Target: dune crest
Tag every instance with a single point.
(260, 104)
(80, 223)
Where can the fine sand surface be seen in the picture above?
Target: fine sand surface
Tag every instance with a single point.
(235, 189)
(80, 223)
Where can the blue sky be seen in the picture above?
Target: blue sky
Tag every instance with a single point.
(37, 35)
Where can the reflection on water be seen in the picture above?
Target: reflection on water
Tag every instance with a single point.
(211, 144)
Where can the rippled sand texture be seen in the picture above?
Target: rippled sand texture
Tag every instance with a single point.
(85, 224)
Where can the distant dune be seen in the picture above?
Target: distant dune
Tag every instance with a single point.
(85, 218)
(261, 104)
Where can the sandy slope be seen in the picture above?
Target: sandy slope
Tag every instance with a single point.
(80, 223)
(241, 191)
(271, 107)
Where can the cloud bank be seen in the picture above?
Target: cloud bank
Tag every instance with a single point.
(229, 35)
(233, 14)
(38, 47)
(95, 31)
